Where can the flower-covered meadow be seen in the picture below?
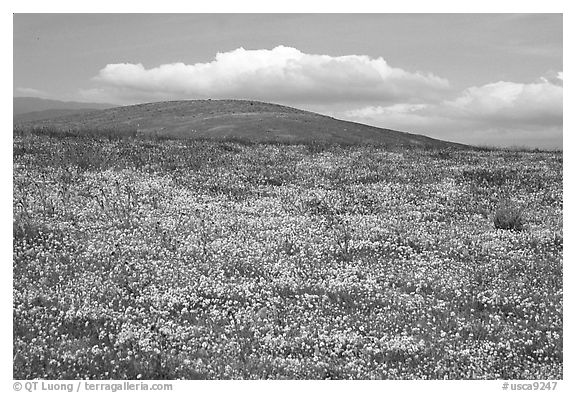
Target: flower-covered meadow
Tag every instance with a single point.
(149, 259)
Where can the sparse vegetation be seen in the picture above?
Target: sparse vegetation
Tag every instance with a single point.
(143, 258)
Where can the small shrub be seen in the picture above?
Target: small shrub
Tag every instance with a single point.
(489, 177)
(442, 154)
(509, 218)
(229, 147)
(317, 146)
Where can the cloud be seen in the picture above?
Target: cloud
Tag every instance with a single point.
(555, 78)
(510, 104)
(123, 96)
(352, 87)
(282, 74)
(30, 92)
(500, 113)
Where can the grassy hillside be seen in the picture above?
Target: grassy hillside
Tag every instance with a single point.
(48, 114)
(200, 259)
(247, 120)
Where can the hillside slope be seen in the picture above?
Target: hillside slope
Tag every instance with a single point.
(249, 120)
(49, 114)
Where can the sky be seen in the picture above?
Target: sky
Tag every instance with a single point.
(483, 79)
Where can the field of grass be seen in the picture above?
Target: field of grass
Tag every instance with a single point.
(177, 259)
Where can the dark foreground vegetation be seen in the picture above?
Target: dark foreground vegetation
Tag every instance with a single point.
(147, 258)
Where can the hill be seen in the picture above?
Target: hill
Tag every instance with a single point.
(238, 119)
(49, 114)
(24, 105)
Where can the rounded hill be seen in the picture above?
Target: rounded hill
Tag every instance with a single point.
(252, 121)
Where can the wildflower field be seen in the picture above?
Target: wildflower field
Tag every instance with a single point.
(177, 259)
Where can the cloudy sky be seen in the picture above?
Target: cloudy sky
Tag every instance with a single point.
(488, 79)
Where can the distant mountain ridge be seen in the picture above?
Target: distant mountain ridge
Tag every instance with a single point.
(238, 119)
(24, 105)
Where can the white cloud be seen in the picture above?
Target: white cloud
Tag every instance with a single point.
(282, 74)
(555, 78)
(500, 113)
(30, 92)
(353, 87)
(510, 104)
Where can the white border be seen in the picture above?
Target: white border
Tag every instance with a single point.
(299, 6)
